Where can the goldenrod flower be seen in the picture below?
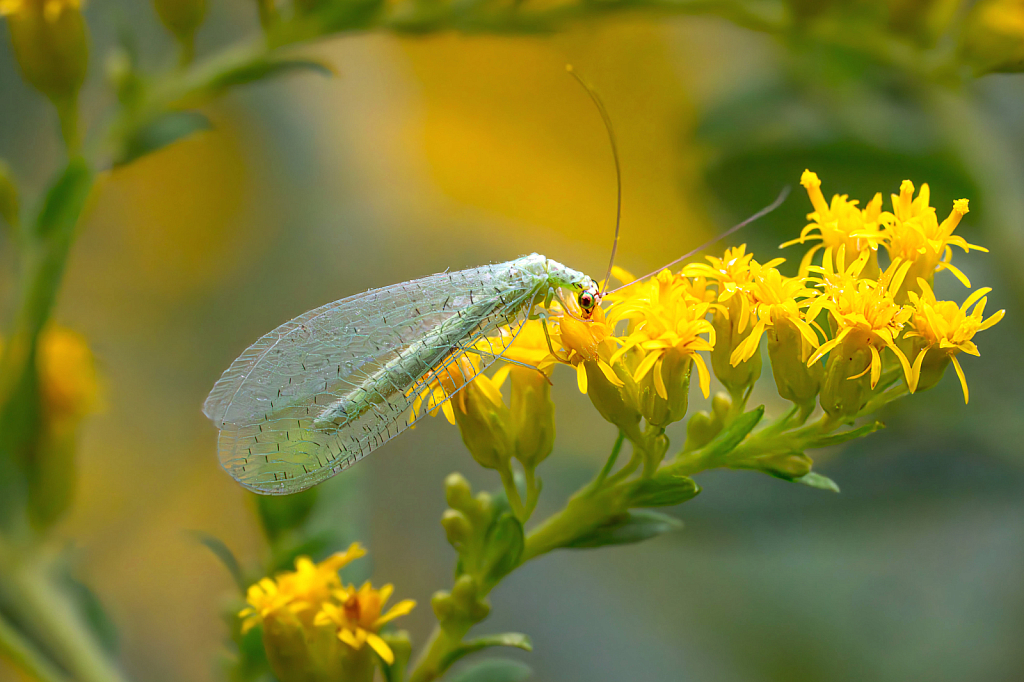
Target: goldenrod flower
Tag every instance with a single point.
(775, 300)
(840, 223)
(866, 320)
(664, 318)
(944, 329)
(300, 592)
(586, 341)
(732, 319)
(358, 618)
(914, 235)
(435, 388)
(67, 373)
(314, 626)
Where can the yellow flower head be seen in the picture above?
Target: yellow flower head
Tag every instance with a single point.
(298, 593)
(841, 223)
(868, 315)
(584, 341)
(434, 390)
(914, 235)
(357, 616)
(775, 299)
(664, 316)
(731, 271)
(946, 328)
(67, 370)
(51, 9)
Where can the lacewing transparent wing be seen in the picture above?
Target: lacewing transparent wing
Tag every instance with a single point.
(322, 391)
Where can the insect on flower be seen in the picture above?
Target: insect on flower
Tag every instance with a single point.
(324, 390)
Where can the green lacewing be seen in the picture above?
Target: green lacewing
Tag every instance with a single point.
(324, 390)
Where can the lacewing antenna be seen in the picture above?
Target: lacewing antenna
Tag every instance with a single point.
(618, 170)
(760, 214)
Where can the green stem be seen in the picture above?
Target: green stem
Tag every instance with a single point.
(31, 592)
(18, 651)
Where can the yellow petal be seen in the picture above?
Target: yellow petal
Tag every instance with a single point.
(581, 377)
(960, 373)
(381, 647)
(400, 609)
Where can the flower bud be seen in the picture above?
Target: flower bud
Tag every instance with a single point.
(730, 331)
(182, 18)
(615, 404)
(456, 527)
(841, 395)
(50, 42)
(788, 352)
(785, 465)
(661, 410)
(532, 417)
(457, 491)
(700, 430)
(483, 420)
(8, 196)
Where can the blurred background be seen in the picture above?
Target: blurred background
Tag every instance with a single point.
(450, 151)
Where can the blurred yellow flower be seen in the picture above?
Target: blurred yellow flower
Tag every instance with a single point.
(68, 378)
(358, 618)
(51, 9)
(945, 329)
(914, 235)
(840, 223)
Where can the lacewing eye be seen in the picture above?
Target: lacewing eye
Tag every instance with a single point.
(586, 301)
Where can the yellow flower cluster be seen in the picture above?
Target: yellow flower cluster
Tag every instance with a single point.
(840, 332)
(314, 627)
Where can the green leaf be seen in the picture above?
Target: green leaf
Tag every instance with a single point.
(263, 68)
(93, 613)
(816, 480)
(8, 195)
(503, 548)
(65, 200)
(837, 438)
(633, 526)
(494, 670)
(733, 434)
(663, 490)
(226, 556)
(161, 131)
(512, 639)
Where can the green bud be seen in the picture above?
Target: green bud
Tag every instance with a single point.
(182, 18)
(8, 196)
(700, 430)
(456, 527)
(721, 405)
(443, 605)
(484, 424)
(788, 352)
(615, 404)
(532, 417)
(457, 491)
(843, 397)
(675, 371)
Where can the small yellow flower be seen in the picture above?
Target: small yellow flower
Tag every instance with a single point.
(775, 299)
(840, 223)
(434, 390)
(585, 341)
(358, 618)
(865, 321)
(664, 318)
(300, 592)
(914, 235)
(945, 329)
(67, 373)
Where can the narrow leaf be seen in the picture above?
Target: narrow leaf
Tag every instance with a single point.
(837, 438)
(222, 552)
(161, 131)
(64, 201)
(816, 480)
(511, 639)
(494, 670)
(663, 490)
(734, 433)
(263, 69)
(633, 526)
